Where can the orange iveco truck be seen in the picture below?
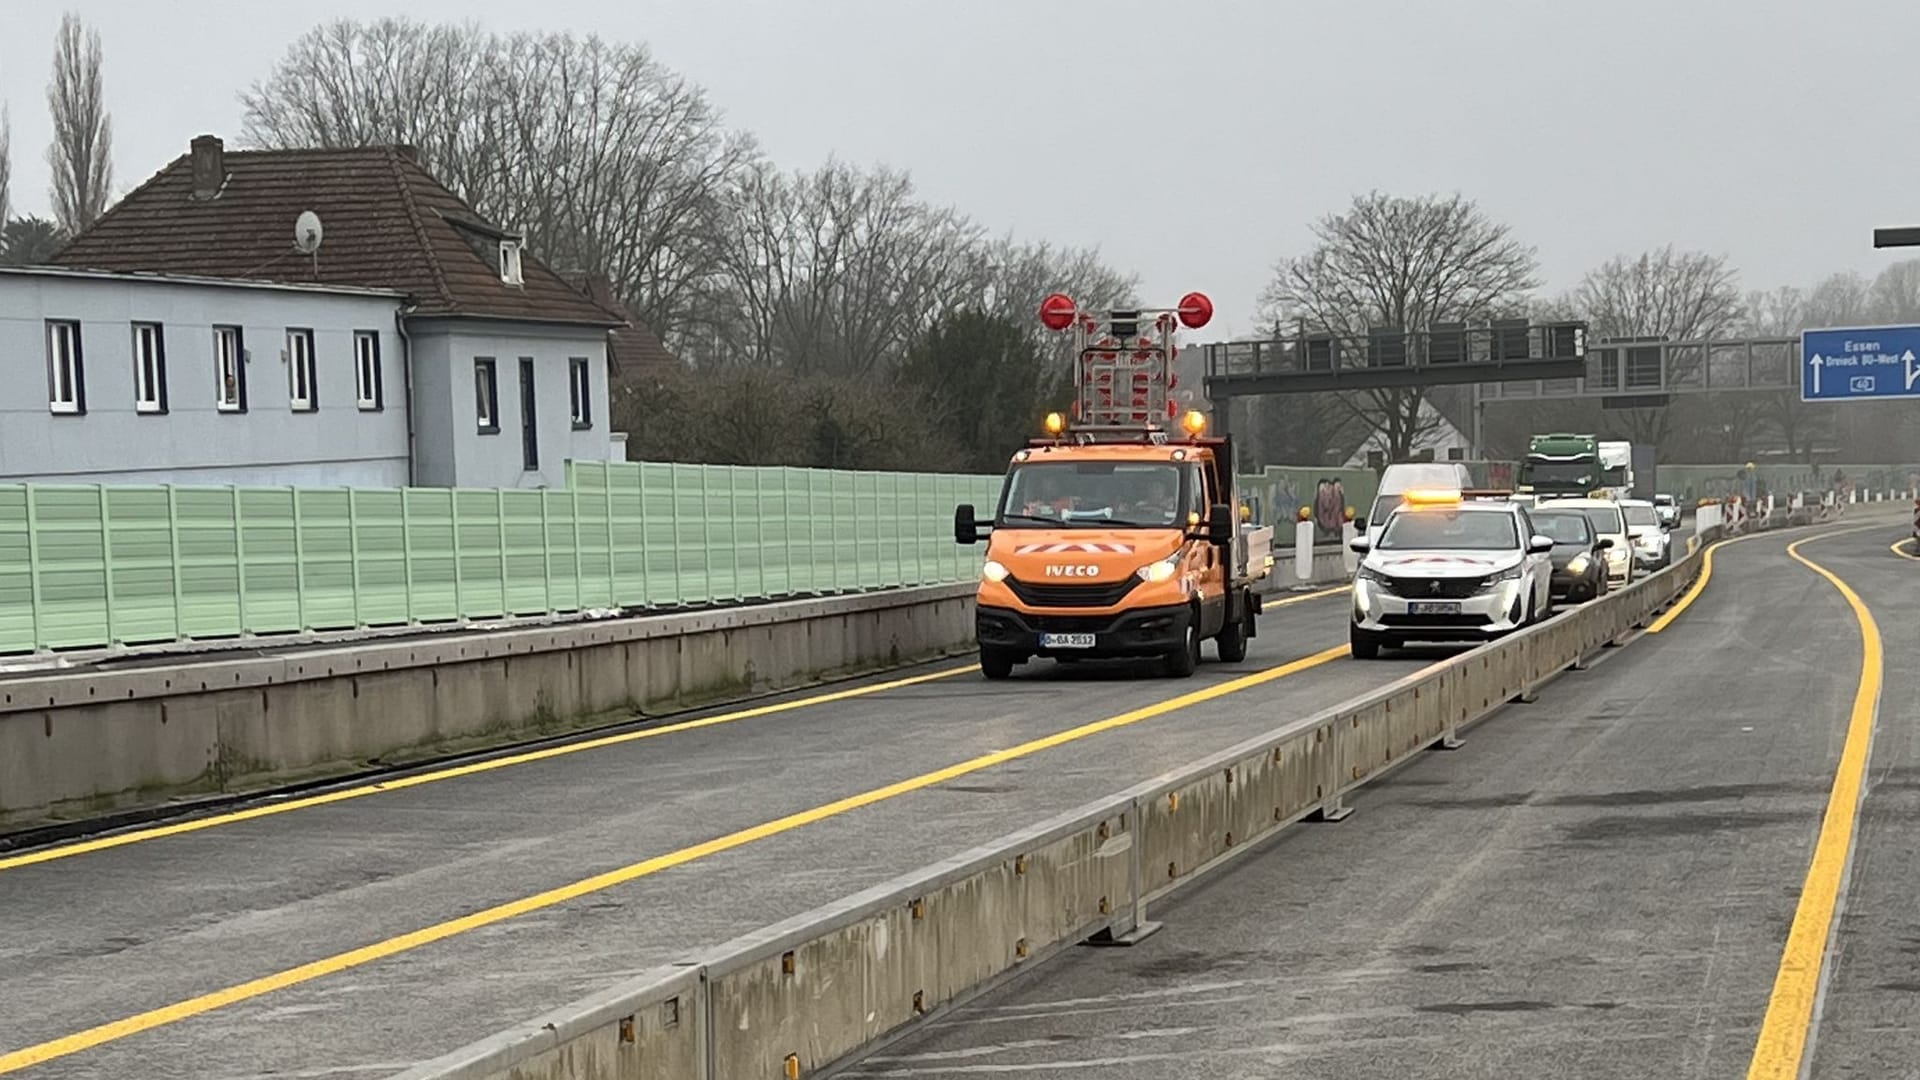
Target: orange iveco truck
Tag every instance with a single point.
(1116, 533)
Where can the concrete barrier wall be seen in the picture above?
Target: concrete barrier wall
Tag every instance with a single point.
(822, 989)
(84, 743)
(78, 744)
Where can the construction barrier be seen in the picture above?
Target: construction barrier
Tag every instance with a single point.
(816, 992)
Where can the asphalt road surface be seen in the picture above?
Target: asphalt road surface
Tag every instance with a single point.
(275, 945)
(1598, 884)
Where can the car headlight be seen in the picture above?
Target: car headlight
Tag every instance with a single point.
(1511, 573)
(1160, 571)
(1578, 565)
(1368, 573)
(993, 571)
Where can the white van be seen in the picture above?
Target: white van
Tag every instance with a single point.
(1407, 476)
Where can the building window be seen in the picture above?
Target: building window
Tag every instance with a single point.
(510, 262)
(529, 422)
(302, 393)
(230, 368)
(486, 396)
(66, 372)
(149, 368)
(369, 389)
(581, 380)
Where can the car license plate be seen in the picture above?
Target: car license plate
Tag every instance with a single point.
(1434, 607)
(1066, 641)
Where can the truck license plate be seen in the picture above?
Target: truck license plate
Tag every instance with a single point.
(1066, 641)
(1434, 607)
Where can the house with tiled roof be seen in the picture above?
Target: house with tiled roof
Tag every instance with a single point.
(330, 316)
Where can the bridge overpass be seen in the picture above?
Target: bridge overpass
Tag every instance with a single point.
(1611, 878)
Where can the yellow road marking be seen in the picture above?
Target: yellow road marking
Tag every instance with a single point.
(402, 783)
(1699, 584)
(1784, 1032)
(1302, 598)
(367, 954)
(1904, 554)
(472, 769)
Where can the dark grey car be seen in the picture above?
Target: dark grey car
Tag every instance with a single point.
(1579, 565)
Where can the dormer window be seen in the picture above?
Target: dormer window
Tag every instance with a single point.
(510, 261)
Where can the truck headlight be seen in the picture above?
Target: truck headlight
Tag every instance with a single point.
(993, 571)
(1160, 571)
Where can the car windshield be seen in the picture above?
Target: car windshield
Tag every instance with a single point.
(1422, 530)
(1564, 528)
(1092, 494)
(1606, 519)
(1641, 516)
(1663, 500)
(1563, 473)
(1383, 506)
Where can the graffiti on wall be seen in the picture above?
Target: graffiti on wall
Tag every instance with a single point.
(1329, 506)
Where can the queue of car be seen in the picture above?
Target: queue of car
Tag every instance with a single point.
(1453, 564)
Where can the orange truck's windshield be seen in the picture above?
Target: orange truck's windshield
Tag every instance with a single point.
(1093, 494)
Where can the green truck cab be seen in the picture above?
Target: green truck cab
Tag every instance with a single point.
(1560, 465)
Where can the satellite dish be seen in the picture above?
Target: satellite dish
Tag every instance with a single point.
(307, 232)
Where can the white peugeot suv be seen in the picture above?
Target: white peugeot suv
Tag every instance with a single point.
(1449, 568)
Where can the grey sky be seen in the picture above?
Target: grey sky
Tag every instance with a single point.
(1194, 141)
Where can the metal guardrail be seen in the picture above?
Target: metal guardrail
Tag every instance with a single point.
(820, 990)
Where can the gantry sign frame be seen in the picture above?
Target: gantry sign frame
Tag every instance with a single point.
(1444, 354)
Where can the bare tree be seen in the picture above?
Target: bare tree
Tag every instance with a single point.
(6, 165)
(81, 154)
(1675, 296)
(1405, 263)
(839, 270)
(1896, 293)
(613, 164)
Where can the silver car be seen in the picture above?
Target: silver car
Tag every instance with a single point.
(1652, 543)
(1667, 509)
(1449, 570)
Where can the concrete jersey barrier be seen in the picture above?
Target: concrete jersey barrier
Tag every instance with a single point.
(817, 992)
(85, 744)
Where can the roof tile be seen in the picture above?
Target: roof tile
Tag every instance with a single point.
(387, 226)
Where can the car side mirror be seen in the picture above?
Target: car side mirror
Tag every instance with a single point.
(966, 530)
(1220, 524)
(1360, 545)
(1360, 524)
(1604, 543)
(1540, 545)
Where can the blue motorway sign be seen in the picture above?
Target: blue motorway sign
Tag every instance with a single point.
(1860, 364)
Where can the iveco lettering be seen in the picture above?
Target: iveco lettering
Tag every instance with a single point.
(1149, 505)
(1089, 570)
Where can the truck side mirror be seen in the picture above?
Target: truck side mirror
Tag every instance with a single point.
(966, 530)
(1220, 524)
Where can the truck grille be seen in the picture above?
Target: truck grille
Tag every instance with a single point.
(1424, 588)
(1104, 594)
